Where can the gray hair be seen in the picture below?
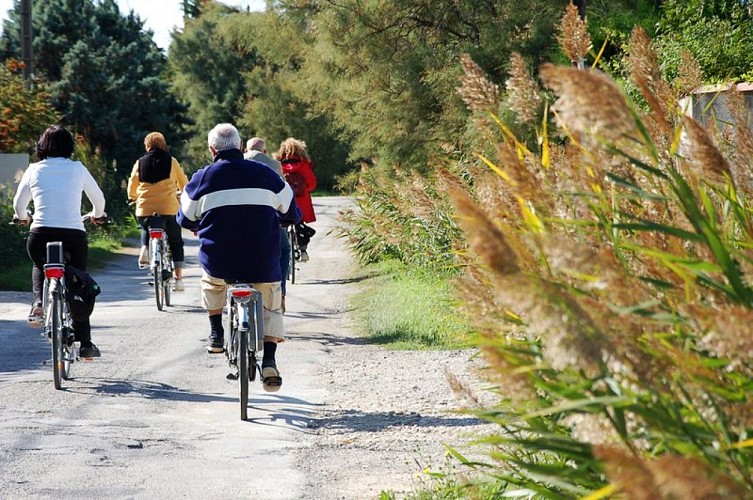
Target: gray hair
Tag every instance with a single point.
(224, 136)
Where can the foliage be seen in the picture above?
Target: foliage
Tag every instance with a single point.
(718, 33)
(409, 221)
(206, 65)
(385, 70)
(259, 58)
(25, 110)
(612, 292)
(106, 77)
(12, 237)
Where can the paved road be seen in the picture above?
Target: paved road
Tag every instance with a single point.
(155, 417)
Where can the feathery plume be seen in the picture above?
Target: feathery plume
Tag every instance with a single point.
(573, 35)
(476, 91)
(691, 74)
(589, 102)
(701, 154)
(524, 98)
(630, 474)
(643, 62)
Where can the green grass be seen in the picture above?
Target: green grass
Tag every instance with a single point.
(406, 310)
(17, 277)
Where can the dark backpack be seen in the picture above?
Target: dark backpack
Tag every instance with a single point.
(297, 182)
(81, 291)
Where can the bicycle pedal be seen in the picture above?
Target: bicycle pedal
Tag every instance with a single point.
(232, 376)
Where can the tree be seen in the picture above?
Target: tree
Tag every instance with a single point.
(106, 74)
(24, 113)
(274, 107)
(386, 70)
(207, 68)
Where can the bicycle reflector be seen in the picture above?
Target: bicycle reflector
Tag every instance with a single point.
(54, 272)
(241, 292)
(155, 233)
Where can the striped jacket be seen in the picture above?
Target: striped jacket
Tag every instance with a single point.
(236, 205)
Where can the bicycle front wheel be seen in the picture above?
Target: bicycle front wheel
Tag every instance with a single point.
(56, 334)
(243, 371)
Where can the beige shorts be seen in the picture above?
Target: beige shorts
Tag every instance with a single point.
(214, 296)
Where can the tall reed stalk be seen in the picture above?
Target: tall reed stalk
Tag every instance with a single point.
(608, 274)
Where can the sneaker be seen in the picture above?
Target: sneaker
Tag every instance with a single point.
(89, 351)
(216, 343)
(143, 258)
(304, 256)
(178, 285)
(270, 378)
(35, 316)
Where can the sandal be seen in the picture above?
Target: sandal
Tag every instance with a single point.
(271, 379)
(35, 316)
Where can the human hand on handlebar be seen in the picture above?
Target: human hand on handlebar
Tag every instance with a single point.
(97, 221)
(22, 222)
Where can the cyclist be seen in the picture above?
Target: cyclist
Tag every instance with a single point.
(55, 184)
(236, 205)
(256, 150)
(298, 170)
(155, 184)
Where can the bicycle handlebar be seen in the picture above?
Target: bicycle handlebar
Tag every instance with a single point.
(104, 219)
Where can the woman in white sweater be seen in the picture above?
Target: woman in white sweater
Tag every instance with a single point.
(55, 184)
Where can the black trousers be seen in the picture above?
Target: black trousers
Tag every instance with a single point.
(76, 249)
(174, 235)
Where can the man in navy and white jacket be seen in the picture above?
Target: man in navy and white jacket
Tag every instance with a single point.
(235, 206)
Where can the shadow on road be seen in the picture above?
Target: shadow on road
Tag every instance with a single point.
(329, 339)
(144, 389)
(295, 417)
(338, 281)
(353, 420)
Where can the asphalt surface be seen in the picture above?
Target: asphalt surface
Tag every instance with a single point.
(155, 416)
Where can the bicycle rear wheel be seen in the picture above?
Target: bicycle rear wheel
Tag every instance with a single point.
(243, 368)
(56, 334)
(158, 284)
(293, 245)
(69, 350)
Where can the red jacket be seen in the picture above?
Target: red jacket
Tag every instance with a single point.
(303, 167)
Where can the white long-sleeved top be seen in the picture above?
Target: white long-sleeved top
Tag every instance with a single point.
(55, 185)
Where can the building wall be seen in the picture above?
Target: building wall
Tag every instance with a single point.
(710, 104)
(12, 166)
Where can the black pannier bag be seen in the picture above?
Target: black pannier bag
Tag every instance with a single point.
(81, 291)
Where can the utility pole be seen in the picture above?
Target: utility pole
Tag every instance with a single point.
(26, 40)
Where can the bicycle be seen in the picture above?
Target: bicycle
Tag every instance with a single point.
(245, 337)
(295, 253)
(56, 315)
(161, 262)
